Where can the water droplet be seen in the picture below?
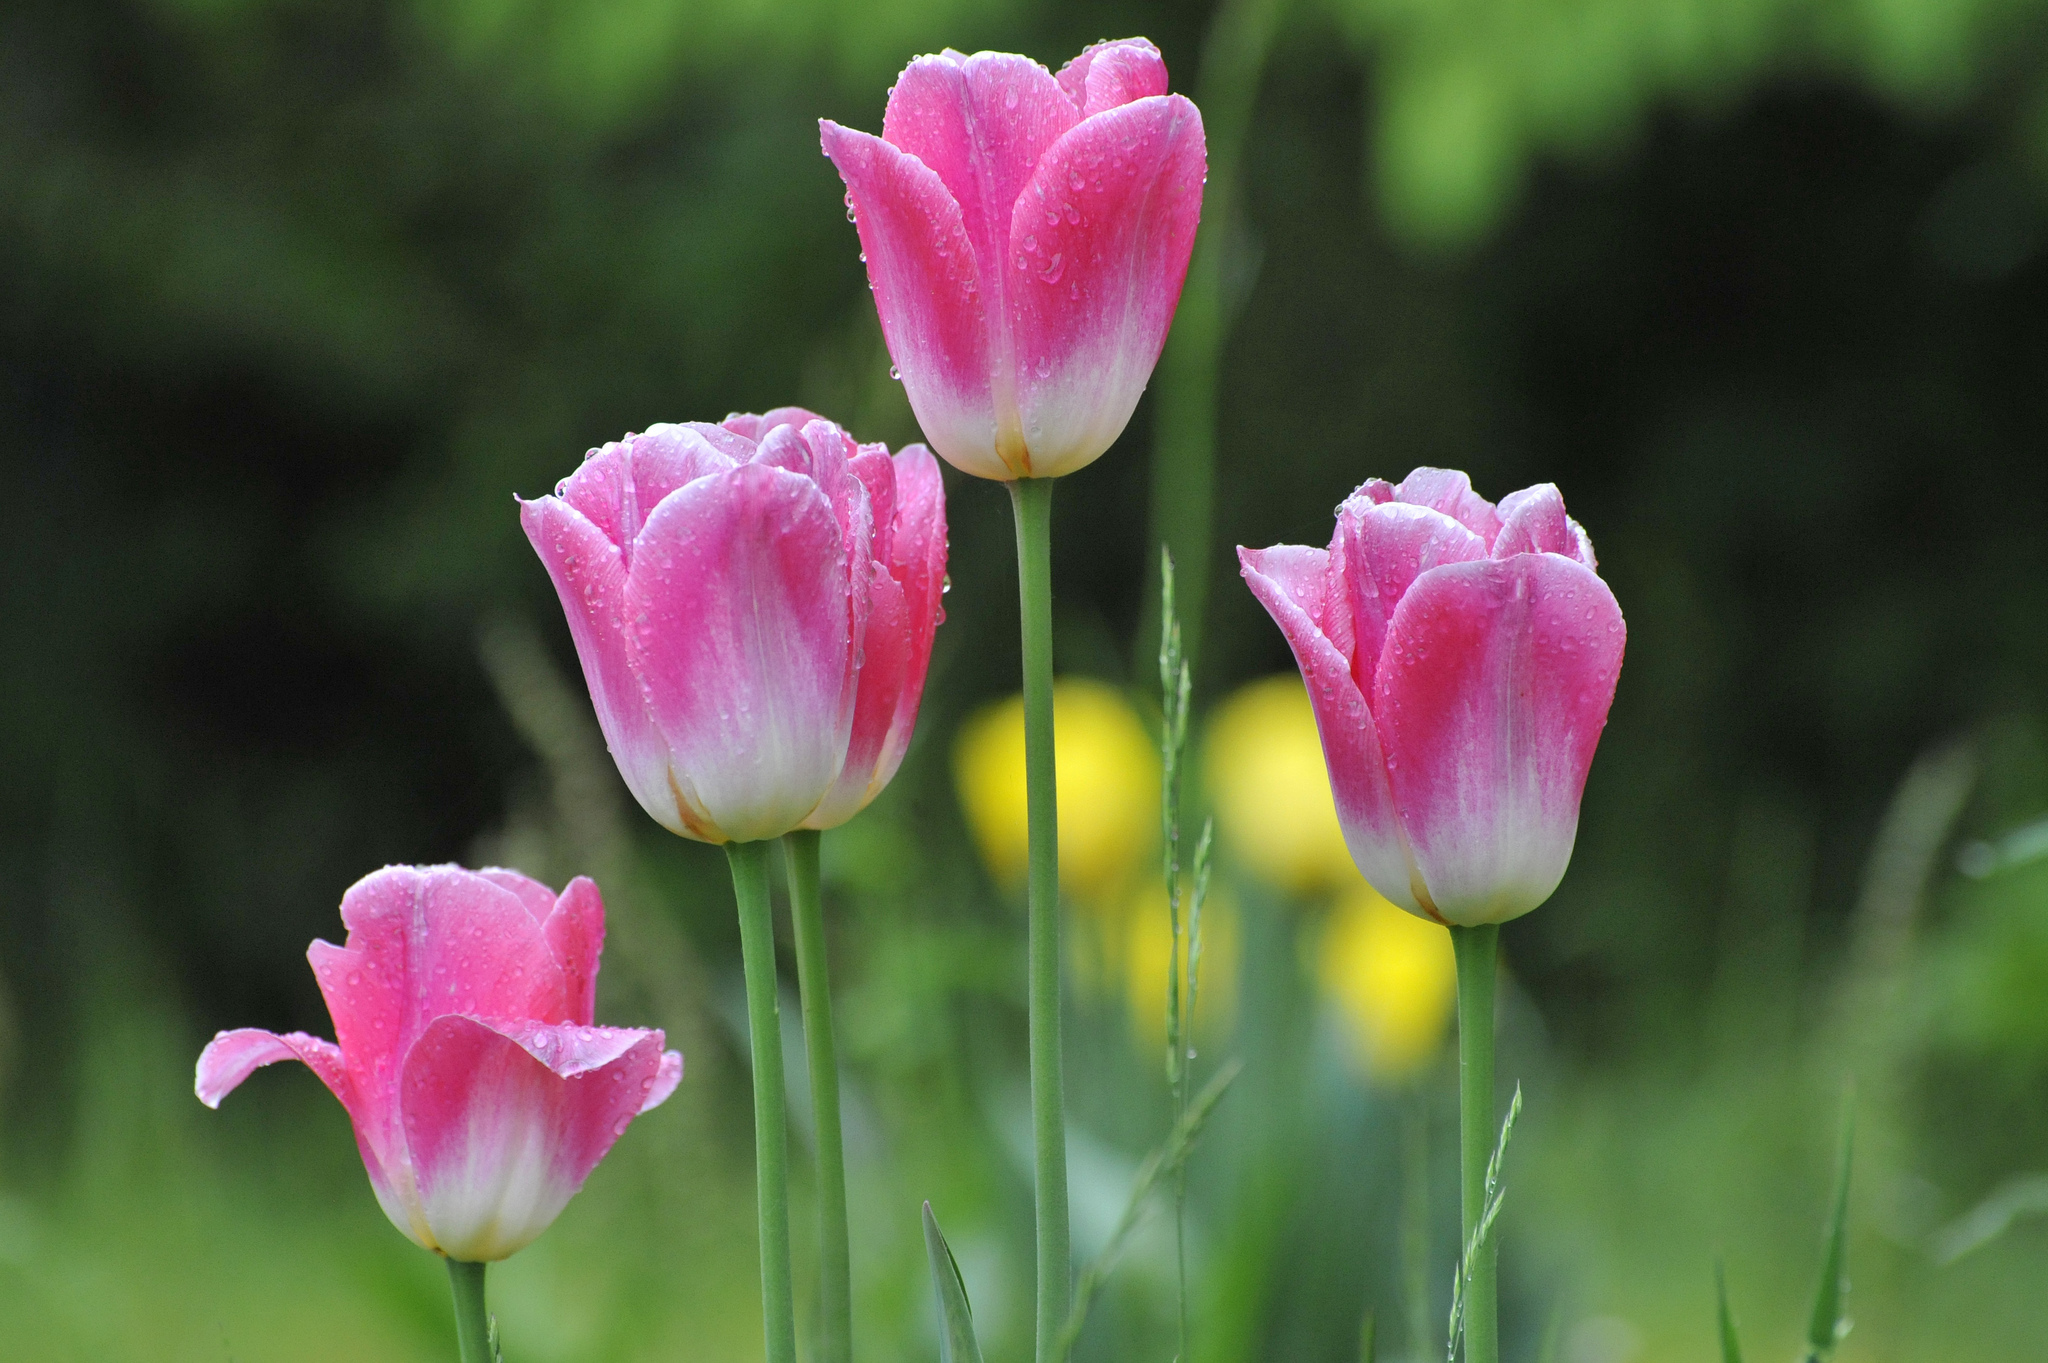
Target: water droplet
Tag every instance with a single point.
(1031, 244)
(1052, 217)
(895, 373)
(1010, 98)
(1052, 272)
(945, 584)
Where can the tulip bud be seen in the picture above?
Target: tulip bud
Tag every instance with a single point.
(1026, 236)
(481, 1094)
(1461, 658)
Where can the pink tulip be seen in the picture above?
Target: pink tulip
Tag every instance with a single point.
(754, 606)
(1461, 658)
(1026, 236)
(481, 1094)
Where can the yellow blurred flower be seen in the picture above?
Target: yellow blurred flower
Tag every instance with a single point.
(1108, 788)
(1392, 977)
(1265, 779)
(1148, 941)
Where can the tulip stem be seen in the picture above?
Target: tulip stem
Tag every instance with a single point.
(472, 1321)
(1477, 950)
(835, 1285)
(1031, 498)
(771, 1120)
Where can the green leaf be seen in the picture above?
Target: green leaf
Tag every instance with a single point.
(1731, 1346)
(1828, 1326)
(957, 1343)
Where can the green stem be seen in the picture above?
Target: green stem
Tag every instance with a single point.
(1031, 498)
(1477, 952)
(472, 1321)
(771, 1122)
(814, 978)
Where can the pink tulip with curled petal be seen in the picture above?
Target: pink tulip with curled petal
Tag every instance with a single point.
(465, 1052)
(754, 605)
(1026, 236)
(1461, 658)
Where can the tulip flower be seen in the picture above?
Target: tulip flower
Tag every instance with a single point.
(1026, 236)
(753, 604)
(481, 1093)
(1461, 658)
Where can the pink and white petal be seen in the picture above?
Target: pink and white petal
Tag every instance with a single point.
(1385, 549)
(1289, 582)
(1449, 491)
(666, 1078)
(1493, 689)
(1113, 73)
(743, 645)
(233, 1056)
(575, 932)
(538, 898)
(1533, 521)
(619, 484)
(589, 573)
(1099, 248)
(754, 426)
(504, 1128)
(916, 576)
(885, 656)
(928, 293)
(877, 473)
(981, 123)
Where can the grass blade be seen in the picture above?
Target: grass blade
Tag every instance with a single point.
(957, 1343)
(1368, 1344)
(1828, 1326)
(1161, 1163)
(1731, 1345)
(1482, 1232)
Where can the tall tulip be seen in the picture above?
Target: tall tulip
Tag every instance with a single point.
(465, 1053)
(754, 604)
(1026, 235)
(1461, 658)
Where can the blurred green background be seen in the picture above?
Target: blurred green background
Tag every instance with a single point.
(296, 294)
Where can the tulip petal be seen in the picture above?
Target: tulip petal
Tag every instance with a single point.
(1533, 521)
(908, 585)
(1492, 691)
(575, 932)
(233, 1056)
(665, 1080)
(1291, 581)
(589, 573)
(1386, 548)
(1450, 491)
(1108, 74)
(928, 292)
(505, 1121)
(754, 426)
(981, 123)
(619, 485)
(1099, 246)
(741, 641)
